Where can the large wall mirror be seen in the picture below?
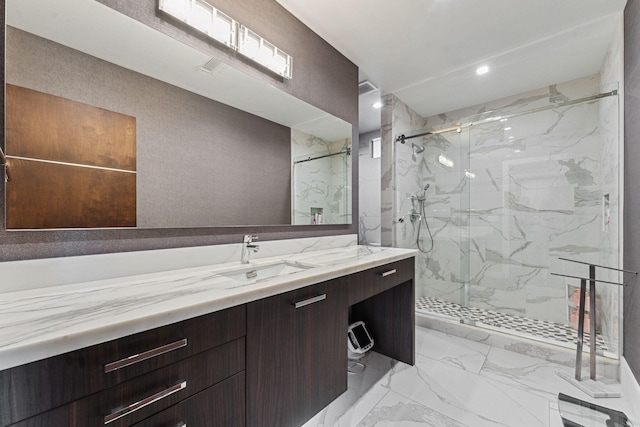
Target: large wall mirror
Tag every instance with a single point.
(110, 123)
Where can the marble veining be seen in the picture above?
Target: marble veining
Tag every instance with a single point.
(455, 383)
(522, 192)
(42, 322)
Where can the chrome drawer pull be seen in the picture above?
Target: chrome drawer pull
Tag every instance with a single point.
(310, 300)
(113, 366)
(388, 273)
(144, 402)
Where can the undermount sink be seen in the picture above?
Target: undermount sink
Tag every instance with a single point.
(254, 273)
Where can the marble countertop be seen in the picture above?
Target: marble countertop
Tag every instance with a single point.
(40, 323)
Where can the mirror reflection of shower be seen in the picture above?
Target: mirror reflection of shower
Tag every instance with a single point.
(419, 215)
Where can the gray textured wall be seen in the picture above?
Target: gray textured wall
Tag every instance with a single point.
(322, 77)
(369, 199)
(227, 166)
(631, 182)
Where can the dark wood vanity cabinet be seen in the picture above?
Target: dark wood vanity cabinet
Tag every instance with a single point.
(296, 354)
(276, 361)
(297, 357)
(122, 382)
(220, 405)
(384, 299)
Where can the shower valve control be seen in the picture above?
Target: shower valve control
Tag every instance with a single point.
(414, 215)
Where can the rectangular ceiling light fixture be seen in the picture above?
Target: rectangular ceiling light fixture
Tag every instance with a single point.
(206, 18)
(203, 17)
(264, 53)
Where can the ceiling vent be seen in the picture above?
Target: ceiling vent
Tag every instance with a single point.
(366, 87)
(211, 66)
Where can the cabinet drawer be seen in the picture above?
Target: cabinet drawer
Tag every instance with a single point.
(37, 387)
(222, 405)
(370, 282)
(141, 397)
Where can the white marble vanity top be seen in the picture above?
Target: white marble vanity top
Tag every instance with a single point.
(40, 323)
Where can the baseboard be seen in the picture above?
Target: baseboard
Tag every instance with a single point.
(631, 390)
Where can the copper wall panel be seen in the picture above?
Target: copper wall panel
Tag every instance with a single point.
(43, 126)
(49, 195)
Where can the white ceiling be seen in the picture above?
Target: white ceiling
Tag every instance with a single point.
(426, 51)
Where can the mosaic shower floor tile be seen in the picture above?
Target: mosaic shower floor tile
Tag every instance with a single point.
(531, 328)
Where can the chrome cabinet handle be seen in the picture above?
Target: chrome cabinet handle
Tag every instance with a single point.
(127, 361)
(117, 414)
(310, 301)
(388, 273)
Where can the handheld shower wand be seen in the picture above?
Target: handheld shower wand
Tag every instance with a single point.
(422, 218)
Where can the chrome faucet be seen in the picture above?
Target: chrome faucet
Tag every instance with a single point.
(247, 247)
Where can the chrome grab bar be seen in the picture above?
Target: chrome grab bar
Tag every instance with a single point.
(310, 301)
(128, 410)
(131, 360)
(388, 273)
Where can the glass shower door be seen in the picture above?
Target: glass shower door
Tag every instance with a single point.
(544, 187)
(433, 199)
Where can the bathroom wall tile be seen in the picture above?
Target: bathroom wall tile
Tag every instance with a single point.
(549, 303)
(521, 193)
(493, 299)
(534, 201)
(443, 290)
(370, 227)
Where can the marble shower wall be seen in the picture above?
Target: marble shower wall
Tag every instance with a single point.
(521, 193)
(611, 174)
(321, 183)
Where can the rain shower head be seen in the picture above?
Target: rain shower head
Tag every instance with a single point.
(417, 149)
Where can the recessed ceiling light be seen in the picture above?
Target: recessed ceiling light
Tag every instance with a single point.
(482, 70)
(377, 105)
(507, 128)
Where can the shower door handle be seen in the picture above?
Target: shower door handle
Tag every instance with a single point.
(388, 273)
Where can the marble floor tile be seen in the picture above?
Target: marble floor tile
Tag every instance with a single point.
(455, 383)
(459, 352)
(394, 410)
(539, 377)
(349, 409)
(467, 397)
